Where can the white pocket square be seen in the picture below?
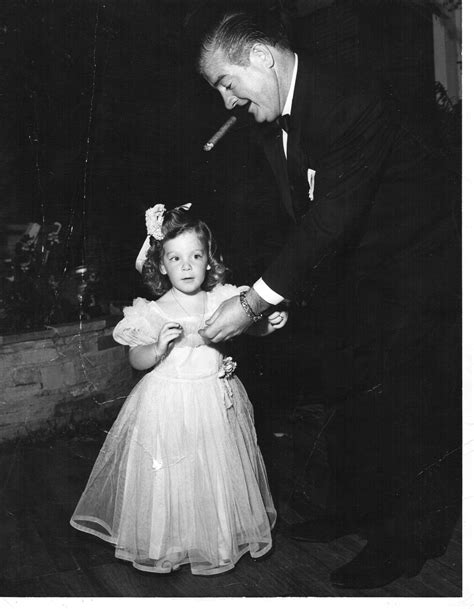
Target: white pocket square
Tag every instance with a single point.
(311, 174)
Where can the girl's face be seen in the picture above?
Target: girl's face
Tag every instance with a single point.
(185, 262)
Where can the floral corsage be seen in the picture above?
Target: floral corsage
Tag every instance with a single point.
(227, 368)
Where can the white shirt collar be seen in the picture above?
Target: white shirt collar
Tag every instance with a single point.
(291, 92)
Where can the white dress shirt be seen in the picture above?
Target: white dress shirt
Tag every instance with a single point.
(262, 289)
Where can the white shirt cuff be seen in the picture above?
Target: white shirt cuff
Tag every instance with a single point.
(267, 293)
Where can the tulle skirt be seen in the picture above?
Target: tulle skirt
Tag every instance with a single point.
(180, 478)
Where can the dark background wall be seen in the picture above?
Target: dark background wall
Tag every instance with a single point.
(103, 116)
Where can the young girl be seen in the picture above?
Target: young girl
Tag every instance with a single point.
(180, 478)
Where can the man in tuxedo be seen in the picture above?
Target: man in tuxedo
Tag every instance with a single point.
(364, 189)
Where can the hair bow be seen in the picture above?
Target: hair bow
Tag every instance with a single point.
(154, 228)
(154, 221)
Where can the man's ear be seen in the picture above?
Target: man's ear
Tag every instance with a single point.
(262, 53)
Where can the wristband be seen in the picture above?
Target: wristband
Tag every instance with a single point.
(248, 309)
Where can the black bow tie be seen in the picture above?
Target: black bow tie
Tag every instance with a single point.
(284, 122)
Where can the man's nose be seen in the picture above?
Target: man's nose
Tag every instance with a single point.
(230, 101)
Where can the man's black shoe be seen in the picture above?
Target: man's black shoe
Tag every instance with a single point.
(374, 567)
(322, 529)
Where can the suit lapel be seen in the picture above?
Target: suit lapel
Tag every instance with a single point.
(272, 141)
(273, 146)
(298, 162)
(310, 104)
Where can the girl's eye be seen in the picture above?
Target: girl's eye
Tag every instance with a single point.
(198, 255)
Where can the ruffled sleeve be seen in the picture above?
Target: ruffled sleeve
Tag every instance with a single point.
(141, 324)
(223, 292)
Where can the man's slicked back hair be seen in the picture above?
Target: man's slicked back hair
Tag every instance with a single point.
(235, 31)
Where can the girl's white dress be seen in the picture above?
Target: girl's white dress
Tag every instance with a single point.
(180, 478)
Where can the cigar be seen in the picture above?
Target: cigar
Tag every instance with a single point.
(219, 134)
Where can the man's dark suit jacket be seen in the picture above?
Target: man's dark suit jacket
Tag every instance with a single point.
(380, 248)
(380, 220)
(377, 180)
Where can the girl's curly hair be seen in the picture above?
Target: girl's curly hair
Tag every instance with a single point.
(176, 222)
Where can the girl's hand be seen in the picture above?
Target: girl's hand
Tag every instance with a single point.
(277, 319)
(269, 324)
(169, 332)
(143, 357)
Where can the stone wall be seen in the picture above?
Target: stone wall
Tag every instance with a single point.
(57, 377)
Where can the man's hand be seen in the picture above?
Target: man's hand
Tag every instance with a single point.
(227, 321)
(230, 319)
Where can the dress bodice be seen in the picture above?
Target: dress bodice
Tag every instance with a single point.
(190, 356)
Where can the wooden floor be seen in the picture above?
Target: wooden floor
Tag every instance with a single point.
(42, 481)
